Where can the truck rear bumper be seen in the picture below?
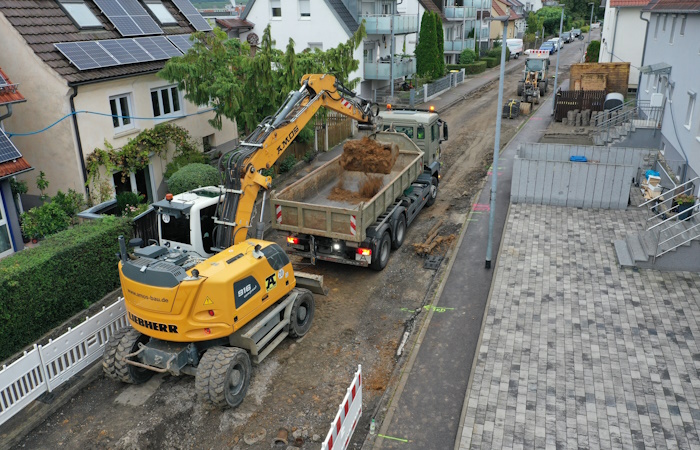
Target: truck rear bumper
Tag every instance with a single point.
(330, 258)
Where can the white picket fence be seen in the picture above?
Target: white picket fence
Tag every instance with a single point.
(348, 415)
(45, 367)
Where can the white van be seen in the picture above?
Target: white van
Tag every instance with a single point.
(515, 46)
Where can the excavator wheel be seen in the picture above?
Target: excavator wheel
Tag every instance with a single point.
(114, 364)
(302, 314)
(537, 97)
(521, 88)
(223, 376)
(543, 88)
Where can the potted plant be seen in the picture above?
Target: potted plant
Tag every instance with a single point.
(685, 204)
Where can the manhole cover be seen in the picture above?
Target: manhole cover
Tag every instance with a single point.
(432, 262)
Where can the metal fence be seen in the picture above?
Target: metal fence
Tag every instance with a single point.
(570, 100)
(45, 367)
(146, 225)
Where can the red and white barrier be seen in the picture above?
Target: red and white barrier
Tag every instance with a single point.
(343, 426)
(278, 213)
(353, 225)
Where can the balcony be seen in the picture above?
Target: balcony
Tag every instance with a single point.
(380, 70)
(459, 45)
(460, 13)
(381, 24)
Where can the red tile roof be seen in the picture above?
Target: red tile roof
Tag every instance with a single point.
(9, 93)
(43, 23)
(688, 6)
(628, 3)
(499, 10)
(14, 167)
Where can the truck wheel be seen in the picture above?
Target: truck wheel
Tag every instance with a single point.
(433, 191)
(223, 376)
(114, 363)
(379, 262)
(521, 88)
(399, 232)
(302, 314)
(543, 88)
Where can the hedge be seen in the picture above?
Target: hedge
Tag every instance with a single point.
(490, 62)
(193, 176)
(44, 286)
(469, 69)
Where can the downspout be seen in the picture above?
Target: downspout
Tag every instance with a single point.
(644, 49)
(80, 144)
(9, 112)
(612, 48)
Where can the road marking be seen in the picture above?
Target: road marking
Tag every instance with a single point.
(536, 118)
(393, 438)
(481, 207)
(428, 308)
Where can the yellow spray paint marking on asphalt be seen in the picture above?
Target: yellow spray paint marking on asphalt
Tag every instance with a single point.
(428, 308)
(393, 438)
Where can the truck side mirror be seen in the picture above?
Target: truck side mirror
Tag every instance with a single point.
(444, 131)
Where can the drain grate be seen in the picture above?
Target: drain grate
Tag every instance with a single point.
(432, 262)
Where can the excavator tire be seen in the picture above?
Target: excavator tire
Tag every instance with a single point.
(302, 314)
(223, 376)
(521, 88)
(543, 88)
(114, 364)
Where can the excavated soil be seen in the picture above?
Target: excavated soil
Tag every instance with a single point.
(367, 155)
(368, 188)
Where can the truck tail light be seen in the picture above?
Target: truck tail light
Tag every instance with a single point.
(292, 240)
(364, 251)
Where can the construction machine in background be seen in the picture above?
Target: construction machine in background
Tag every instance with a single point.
(534, 83)
(206, 300)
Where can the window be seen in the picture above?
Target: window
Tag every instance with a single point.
(121, 112)
(276, 6)
(408, 131)
(673, 30)
(691, 107)
(81, 14)
(656, 29)
(166, 102)
(421, 132)
(161, 13)
(685, 16)
(434, 132)
(316, 45)
(305, 8)
(369, 55)
(138, 182)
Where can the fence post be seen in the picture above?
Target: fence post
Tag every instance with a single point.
(425, 93)
(44, 372)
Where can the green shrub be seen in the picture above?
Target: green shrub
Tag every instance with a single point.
(44, 220)
(593, 52)
(496, 53)
(182, 160)
(467, 56)
(585, 29)
(71, 203)
(469, 69)
(309, 155)
(42, 287)
(127, 199)
(193, 176)
(490, 61)
(287, 163)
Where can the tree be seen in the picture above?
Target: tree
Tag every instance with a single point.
(593, 51)
(427, 46)
(467, 56)
(440, 53)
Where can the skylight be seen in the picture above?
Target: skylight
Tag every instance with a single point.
(161, 12)
(81, 14)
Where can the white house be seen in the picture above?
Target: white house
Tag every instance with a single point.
(622, 36)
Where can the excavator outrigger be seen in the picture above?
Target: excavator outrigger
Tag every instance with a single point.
(209, 316)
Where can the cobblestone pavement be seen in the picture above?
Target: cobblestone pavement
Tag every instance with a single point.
(579, 353)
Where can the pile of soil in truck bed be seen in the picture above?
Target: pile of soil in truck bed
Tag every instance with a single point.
(369, 156)
(369, 187)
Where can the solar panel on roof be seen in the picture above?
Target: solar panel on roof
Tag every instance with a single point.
(129, 17)
(76, 55)
(192, 15)
(115, 48)
(135, 50)
(182, 42)
(3, 81)
(114, 52)
(159, 47)
(8, 151)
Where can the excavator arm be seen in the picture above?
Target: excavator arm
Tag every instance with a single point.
(241, 167)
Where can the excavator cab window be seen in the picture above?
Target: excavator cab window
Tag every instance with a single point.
(275, 256)
(176, 230)
(206, 220)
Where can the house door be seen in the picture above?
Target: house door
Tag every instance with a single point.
(138, 182)
(6, 248)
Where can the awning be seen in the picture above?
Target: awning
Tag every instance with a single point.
(657, 68)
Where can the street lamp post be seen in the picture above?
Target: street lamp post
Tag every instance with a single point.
(497, 141)
(556, 72)
(590, 24)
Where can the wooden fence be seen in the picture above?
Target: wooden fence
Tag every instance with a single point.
(571, 100)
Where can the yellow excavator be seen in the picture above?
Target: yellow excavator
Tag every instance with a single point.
(210, 316)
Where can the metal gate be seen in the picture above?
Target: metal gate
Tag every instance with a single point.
(571, 100)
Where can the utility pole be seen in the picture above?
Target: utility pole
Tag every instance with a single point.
(391, 49)
(556, 73)
(590, 24)
(497, 142)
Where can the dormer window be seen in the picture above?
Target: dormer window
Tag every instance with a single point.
(81, 14)
(160, 12)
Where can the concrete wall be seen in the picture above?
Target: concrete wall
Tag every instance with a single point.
(591, 76)
(543, 174)
(623, 39)
(680, 141)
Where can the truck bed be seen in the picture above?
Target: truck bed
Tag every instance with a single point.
(305, 206)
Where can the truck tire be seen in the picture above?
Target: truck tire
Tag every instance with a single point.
(399, 232)
(383, 250)
(543, 88)
(521, 88)
(433, 191)
(223, 376)
(114, 363)
(302, 314)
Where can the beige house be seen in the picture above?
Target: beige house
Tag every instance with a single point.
(103, 84)
(498, 9)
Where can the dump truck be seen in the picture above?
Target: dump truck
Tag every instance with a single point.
(534, 83)
(363, 231)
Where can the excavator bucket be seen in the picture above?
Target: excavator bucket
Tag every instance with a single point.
(312, 282)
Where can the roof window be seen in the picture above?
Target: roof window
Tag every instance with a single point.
(80, 14)
(160, 12)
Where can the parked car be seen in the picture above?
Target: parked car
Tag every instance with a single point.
(559, 42)
(551, 46)
(576, 32)
(595, 25)
(515, 46)
(567, 37)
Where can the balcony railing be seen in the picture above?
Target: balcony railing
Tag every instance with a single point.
(459, 45)
(460, 12)
(381, 70)
(381, 24)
